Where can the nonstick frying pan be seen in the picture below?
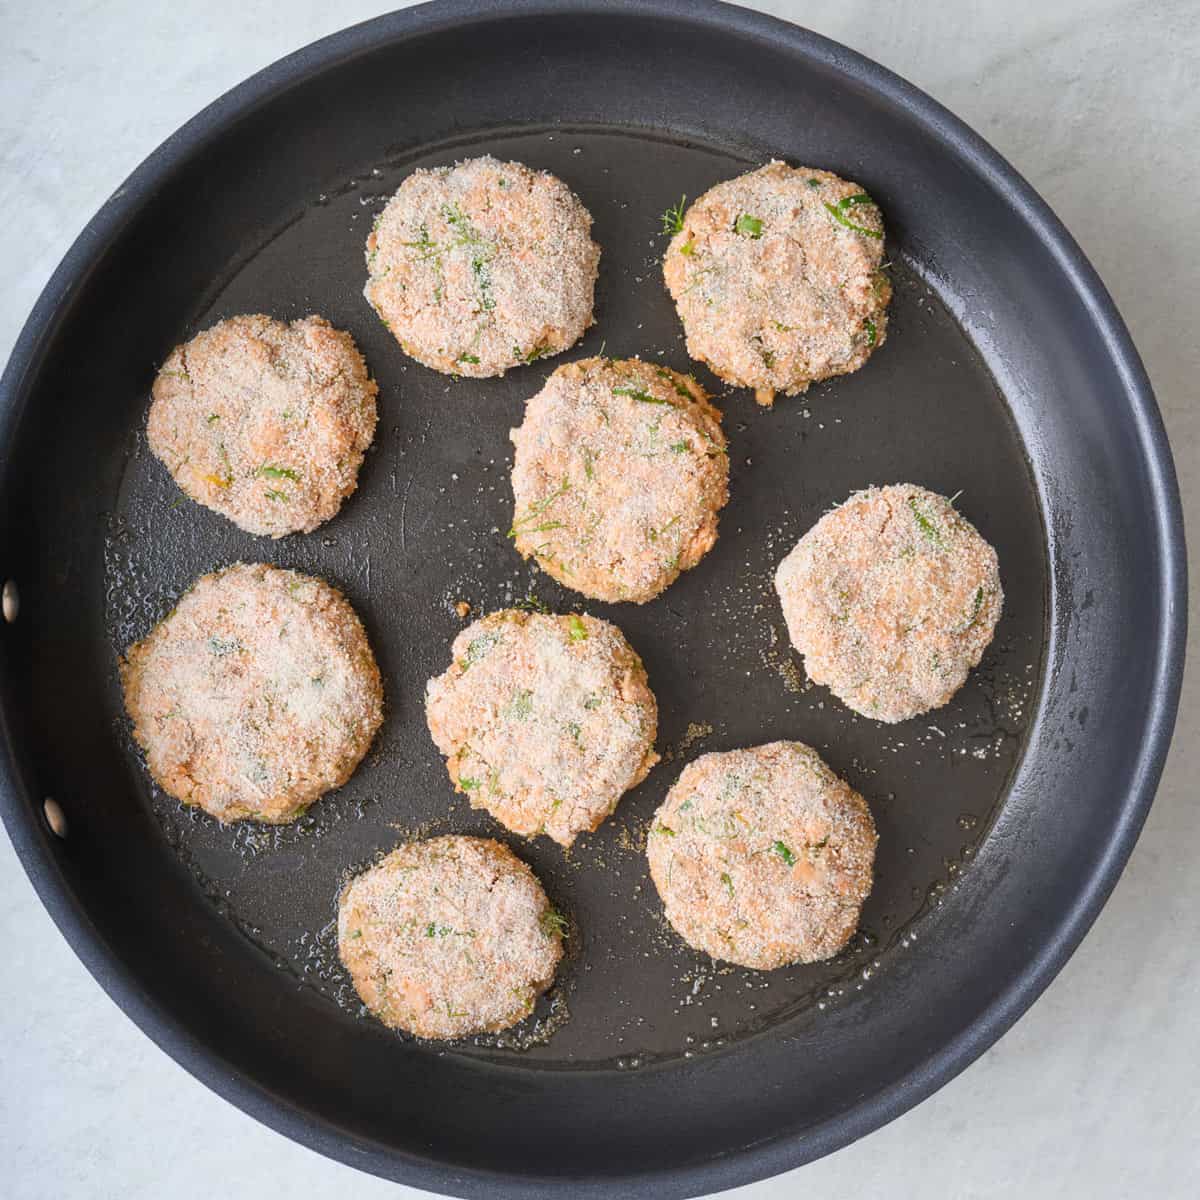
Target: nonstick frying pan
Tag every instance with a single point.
(1004, 818)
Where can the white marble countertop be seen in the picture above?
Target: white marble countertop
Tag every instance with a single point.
(1095, 1092)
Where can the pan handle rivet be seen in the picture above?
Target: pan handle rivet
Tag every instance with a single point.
(55, 817)
(10, 601)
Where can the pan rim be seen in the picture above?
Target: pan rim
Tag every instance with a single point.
(782, 1151)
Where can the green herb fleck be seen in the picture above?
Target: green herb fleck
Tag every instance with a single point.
(672, 219)
(428, 247)
(553, 923)
(924, 524)
(537, 508)
(278, 473)
(578, 629)
(872, 332)
(748, 226)
(457, 219)
(976, 609)
(654, 534)
(784, 853)
(683, 447)
(592, 702)
(478, 648)
(814, 183)
(838, 213)
(680, 387)
(688, 248)
(665, 830)
(278, 497)
(728, 882)
(481, 252)
(538, 350)
(355, 934)
(227, 479)
(483, 278)
(637, 394)
(468, 784)
(473, 359)
(520, 706)
(212, 417)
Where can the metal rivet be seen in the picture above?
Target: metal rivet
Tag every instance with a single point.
(55, 817)
(10, 601)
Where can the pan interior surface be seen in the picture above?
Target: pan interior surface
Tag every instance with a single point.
(427, 529)
(1003, 817)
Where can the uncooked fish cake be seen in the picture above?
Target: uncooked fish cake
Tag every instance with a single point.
(449, 937)
(482, 266)
(256, 695)
(545, 721)
(777, 278)
(619, 473)
(763, 857)
(892, 598)
(264, 422)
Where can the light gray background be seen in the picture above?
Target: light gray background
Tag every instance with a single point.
(1096, 1092)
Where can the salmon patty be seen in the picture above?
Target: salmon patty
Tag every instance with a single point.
(763, 857)
(265, 423)
(449, 937)
(482, 266)
(545, 721)
(619, 473)
(776, 276)
(256, 695)
(892, 598)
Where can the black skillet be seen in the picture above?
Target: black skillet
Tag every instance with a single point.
(1004, 819)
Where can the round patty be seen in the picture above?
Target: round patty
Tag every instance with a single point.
(449, 937)
(763, 857)
(619, 473)
(265, 423)
(481, 266)
(256, 695)
(776, 276)
(545, 721)
(892, 598)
